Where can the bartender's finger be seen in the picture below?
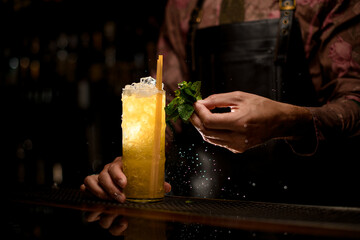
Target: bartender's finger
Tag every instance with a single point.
(106, 182)
(116, 173)
(215, 142)
(221, 100)
(224, 144)
(167, 187)
(213, 120)
(83, 187)
(195, 120)
(206, 132)
(91, 184)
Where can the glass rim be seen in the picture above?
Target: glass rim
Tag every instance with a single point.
(155, 90)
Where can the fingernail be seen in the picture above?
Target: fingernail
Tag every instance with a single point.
(120, 197)
(121, 182)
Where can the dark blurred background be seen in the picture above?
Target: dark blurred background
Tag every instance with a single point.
(62, 68)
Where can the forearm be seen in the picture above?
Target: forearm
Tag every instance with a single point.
(331, 122)
(337, 120)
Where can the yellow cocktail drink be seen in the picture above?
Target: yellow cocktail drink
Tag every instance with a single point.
(143, 129)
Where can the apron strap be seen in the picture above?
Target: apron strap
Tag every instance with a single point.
(287, 14)
(195, 19)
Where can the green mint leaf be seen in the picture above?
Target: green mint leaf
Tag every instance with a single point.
(171, 108)
(188, 95)
(190, 92)
(196, 86)
(182, 105)
(177, 93)
(185, 111)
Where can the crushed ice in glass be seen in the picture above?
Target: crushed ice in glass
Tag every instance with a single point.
(147, 85)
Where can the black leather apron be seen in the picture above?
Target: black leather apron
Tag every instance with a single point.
(246, 57)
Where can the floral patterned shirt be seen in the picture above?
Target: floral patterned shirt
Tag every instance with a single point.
(331, 36)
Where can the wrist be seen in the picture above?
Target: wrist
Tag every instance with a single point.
(299, 121)
(300, 131)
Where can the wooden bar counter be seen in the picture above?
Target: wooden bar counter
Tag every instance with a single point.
(38, 213)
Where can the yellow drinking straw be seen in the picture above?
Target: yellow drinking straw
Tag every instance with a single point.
(159, 72)
(158, 123)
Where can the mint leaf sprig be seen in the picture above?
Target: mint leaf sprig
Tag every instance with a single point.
(182, 105)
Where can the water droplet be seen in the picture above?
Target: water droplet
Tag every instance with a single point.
(246, 141)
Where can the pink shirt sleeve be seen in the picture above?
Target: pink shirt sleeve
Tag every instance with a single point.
(331, 32)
